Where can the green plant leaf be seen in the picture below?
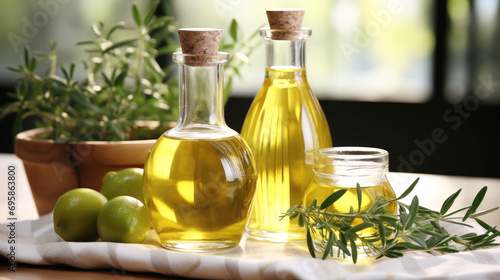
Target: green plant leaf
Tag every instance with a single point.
(417, 240)
(429, 232)
(27, 56)
(14, 69)
(113, 29)
(354, 249)
(310, 244)
(359, 227)
(82, 100)
(81, 43)
(107, 80)
(402, 246)
(407, 191)
(444, 240)
(16, 127)
(136, 15)
(477, 214)
(301, 220)
(382, 231)
(447, 250)
(233, 30)
(456, 211)
(332, 198)
(150, 14)
(475, 204)
(120, 44)
(160, 22)
(359, 194)
(32, 65)
(52, 45)
(412, 214)
(449, 202)
(393, 254)
(482, 224)
(118, 131)
(389, 219)
(71, 70)
(9, 108)
(342, 243)
(236, 71)
(292, 208)
(120, 79)
(66, 75)
(328, 247)
(456, 223)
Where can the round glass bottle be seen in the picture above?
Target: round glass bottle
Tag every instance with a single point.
(199, 177)
(344, 168)
(284, 122)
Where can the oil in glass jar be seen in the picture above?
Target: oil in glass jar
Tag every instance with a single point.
(199, 177)
(344, 168)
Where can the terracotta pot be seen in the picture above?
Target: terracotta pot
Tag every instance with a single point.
(47, 165)
(54, 168)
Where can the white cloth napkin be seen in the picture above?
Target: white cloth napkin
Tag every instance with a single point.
(36, 243)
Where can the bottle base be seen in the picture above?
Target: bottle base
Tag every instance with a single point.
(274, 236)
(205, 246)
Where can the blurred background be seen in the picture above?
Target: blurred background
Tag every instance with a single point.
(418, 78)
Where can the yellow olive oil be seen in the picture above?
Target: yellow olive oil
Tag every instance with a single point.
(321, 191)
(199, 191)
(283, 123)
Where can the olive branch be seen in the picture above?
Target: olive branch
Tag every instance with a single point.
(415, 228)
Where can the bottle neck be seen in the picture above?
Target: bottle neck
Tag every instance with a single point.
(285, 48)
(201, 95)
(285, 53)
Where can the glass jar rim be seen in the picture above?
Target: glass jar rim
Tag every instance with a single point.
(351, 153)
(350, 162)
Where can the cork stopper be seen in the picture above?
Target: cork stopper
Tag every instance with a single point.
(200, 40)
(285, 19)
(200, 44)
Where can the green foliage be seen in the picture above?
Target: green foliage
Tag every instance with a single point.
(414, 228)
(124, 83)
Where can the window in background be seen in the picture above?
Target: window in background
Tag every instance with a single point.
(377, 50)
(359, 50)
(473, 62)
(36, 23)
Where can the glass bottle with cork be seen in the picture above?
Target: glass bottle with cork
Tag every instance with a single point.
(283, 124)
(199, 177)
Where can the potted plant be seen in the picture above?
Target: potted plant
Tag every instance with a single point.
(109, 119)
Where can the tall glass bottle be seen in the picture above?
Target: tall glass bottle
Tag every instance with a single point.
(199, 177)
(284, 123)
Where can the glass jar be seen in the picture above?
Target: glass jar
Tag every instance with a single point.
(344, 168)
